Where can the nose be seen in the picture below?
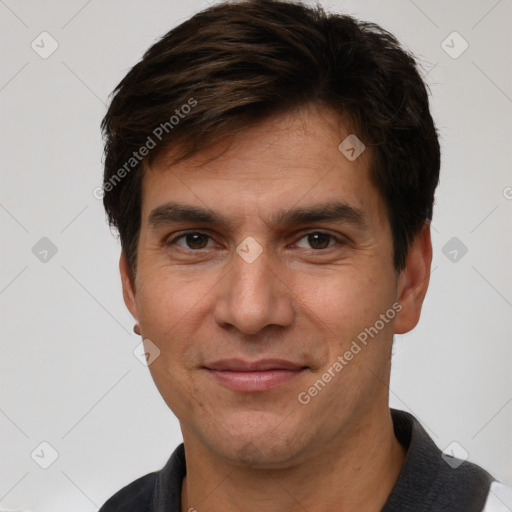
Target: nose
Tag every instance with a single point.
(252, 297)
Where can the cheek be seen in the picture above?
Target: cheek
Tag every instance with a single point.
(172, 310)
(169, 296)
(344, 301)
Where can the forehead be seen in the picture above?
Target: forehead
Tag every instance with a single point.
(288, 161)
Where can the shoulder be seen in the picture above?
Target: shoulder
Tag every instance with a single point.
(153, 492)
(431, 480)
(135, 496)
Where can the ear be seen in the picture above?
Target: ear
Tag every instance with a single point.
(413, 281)
(128, 286)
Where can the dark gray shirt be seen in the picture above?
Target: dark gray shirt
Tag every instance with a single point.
(427, 481)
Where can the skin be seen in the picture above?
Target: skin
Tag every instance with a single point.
(265, 450)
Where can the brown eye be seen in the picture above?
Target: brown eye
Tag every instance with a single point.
(193, 241)
(316, 241)
(319, 240)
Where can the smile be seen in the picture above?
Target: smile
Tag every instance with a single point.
(251, 381)
(263, 375)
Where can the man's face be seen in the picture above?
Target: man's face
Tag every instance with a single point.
(316, 272)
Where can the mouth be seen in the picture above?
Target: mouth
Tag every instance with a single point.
(263, 375)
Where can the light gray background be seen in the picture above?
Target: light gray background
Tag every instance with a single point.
(68, 373)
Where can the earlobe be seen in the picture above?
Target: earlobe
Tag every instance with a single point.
(413, 281)
(128, 286)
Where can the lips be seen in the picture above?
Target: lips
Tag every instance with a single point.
(257, 376)
(238, 365)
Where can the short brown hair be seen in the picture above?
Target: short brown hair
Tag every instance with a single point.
(235, 64)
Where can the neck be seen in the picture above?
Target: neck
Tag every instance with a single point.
(356, 473)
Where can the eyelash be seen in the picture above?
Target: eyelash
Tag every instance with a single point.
(304, 235)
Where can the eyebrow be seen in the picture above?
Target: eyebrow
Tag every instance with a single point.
(330, 212)
(171, 213)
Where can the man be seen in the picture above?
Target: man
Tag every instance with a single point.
(271, 171)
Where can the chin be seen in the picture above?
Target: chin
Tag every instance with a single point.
(259, 455)
(257, 444)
